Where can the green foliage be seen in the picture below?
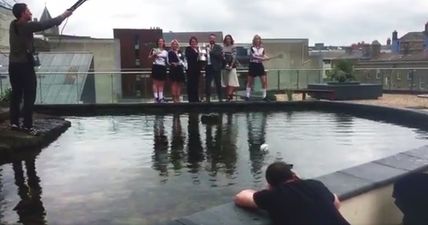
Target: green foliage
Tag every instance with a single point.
(289, 94)
(343, 71)
(271, 96)
(5, 97)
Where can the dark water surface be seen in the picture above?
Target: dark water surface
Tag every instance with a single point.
(148, 168)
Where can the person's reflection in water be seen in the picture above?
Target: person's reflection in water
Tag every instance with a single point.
(160, 155)
(344, 122)
(30, 208)
(195, 153)
(221, 150)
(213, 145)
(230, 136)
(1, 195)
(177, 144)
(256, 123)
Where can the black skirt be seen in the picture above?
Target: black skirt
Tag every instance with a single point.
(176, 74)
(256, 69)
(158, 72)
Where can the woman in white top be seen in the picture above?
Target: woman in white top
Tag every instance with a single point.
(159, 56)
(256, 68)
(176, 70)
(230, 77)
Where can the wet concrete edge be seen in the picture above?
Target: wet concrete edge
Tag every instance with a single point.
(17, 144)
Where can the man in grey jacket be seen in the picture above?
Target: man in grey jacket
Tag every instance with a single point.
(213, 68)
(21, 63)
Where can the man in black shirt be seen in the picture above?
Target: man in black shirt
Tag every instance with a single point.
(290, 200)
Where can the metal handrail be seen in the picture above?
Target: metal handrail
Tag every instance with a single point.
(239, 70)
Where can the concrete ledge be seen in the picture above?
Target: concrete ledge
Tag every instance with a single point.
(407, 117)
(16, 144)
(348, 91)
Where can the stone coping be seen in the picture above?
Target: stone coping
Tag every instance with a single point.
(407, 117)
(15, 145)
(346, 183)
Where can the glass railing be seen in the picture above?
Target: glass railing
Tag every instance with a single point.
(136, 86)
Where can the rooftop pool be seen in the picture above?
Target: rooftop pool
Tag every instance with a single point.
(145, 169)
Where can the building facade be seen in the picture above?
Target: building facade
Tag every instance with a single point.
(294, 68)
(135, 46)
(405, 68)
(107, 78)
(6, 17)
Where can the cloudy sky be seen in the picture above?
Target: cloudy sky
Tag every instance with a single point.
(333, 22)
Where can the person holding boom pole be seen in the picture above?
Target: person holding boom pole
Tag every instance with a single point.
(22, 60)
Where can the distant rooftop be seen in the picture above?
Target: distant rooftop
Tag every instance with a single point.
(45, 17)
(413, 36)
(5, 4)
(184, 37)
(394, 57)
(285, 40)
(338, 54)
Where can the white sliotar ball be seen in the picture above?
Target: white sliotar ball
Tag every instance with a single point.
(264, 147)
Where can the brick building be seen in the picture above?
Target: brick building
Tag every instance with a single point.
(135, 46)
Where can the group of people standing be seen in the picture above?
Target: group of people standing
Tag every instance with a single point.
(218, 61)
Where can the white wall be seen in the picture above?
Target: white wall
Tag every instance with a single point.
(108, 86)
(375, 207)
(6, 17)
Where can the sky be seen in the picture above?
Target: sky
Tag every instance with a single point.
(333, 22)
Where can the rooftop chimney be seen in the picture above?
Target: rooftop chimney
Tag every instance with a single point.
(394, 35)
(395, 48)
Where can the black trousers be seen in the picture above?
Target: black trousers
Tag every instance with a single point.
(210, 74)
(24, 85)
(193, 85)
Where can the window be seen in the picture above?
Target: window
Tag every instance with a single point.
(378, 75)
(137, 42)
(410, 75)
(137, 57)
(398, 76)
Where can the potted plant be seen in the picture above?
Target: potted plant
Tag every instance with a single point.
(343, 72)
(341, 82)
(5, 97)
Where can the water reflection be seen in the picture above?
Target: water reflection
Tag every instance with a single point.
(256, 123)
(195, 155)
(213, 144)
(221, 148)
(160, 153)
(178, 139)
(344, 122)
(1, 195)
(229, 133)
(220, 158)
(220, 145)
(30, 208)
